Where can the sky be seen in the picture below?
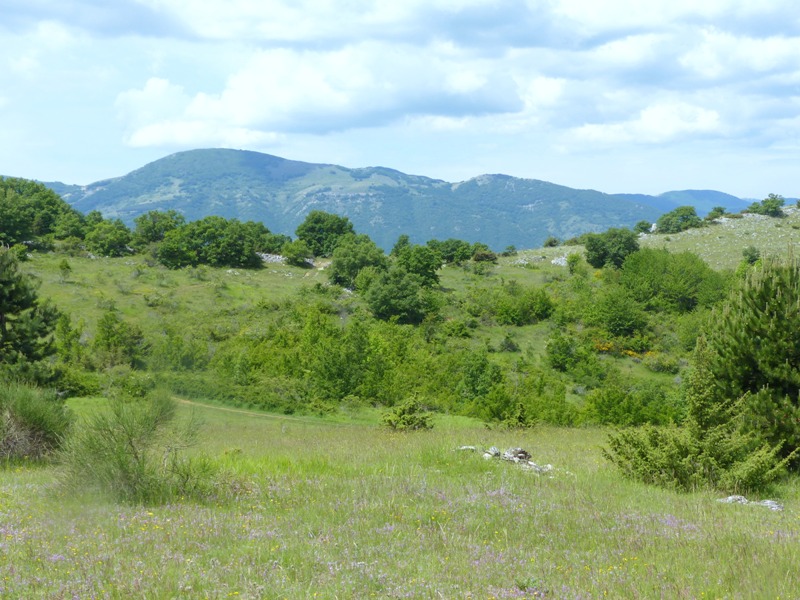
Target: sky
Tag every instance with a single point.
(639, 96)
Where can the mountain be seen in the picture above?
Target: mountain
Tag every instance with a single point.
(498, 210)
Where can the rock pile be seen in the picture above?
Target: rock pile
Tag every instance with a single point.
(770, 504)
(515, 455)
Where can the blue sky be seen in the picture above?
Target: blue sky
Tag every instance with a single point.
(615, 95)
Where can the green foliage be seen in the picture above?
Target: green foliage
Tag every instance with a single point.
(563, 351)
(680, 282)
(322, 231)
(618, 403)
(213, 241)
(754, 342)
(401, 244)
(152, 226)
(118, 342)
(751, 255)
(575, 264)
(396, 293)
(642, 227)
(771, 206)
(617, 311)
(482, 254)
(551, 242)
(408, 416)
(610, 248)
(680, 219)
(297, 253)
(26, 323)
(30, 211)
(715, 213)
(422, 261)
(711, 450)
(509, 304)
(353, 253)
(109, 238)
(451, 250)
(132, 452)
(33, 422)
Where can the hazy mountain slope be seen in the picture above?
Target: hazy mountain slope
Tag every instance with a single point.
(496, 209)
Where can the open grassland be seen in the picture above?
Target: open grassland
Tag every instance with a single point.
(332, 510)
(721, 243)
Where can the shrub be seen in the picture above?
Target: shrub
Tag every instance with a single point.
(710, 450)
(33, 422)
(408, 416)
(610, 248)
(131, 451)
(628, 405)
(680, 219)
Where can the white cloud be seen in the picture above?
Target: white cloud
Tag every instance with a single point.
(722, 54)
(655, 124)
(158, 100)
(368, 84)
(188, 134)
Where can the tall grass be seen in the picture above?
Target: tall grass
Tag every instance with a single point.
(331, 510)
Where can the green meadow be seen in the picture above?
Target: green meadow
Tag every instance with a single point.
(326, 509)
(314, 498)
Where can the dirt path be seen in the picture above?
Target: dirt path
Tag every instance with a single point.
(253, 413)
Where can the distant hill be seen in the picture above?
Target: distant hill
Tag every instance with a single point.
(495, 209)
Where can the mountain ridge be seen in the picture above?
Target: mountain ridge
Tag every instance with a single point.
(497, 209)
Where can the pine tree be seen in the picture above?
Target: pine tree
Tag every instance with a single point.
(754, 346)
(26, 324)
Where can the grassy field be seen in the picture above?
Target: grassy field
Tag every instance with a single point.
(341, 508)
(332, 510)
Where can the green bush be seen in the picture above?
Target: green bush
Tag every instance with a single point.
(132, 451)
(33, 422)
(711, 449)
(626, 405)
(408, 416)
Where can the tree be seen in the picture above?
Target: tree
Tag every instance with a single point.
(322, 231)
(551, 242)
(715, 213)
(451, 250)
(642, 227)
(616, 311)
(297, 253)
(396, 293)
(152, 226)
(213, 240)
(680, 219)
(109, 238)
(710, 450)
(676, 282)
(402, 242)
(26, 324)
(610, 248)
(30, 210)
(771, 206)
(422, 261)
(118, 342)
(353, 253)
(754, 346)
